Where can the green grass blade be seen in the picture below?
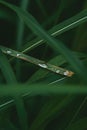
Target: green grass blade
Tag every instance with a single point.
(6, 124)
(9, 75)
(77, 112)
(20, 35)
(42, 8)
(6, 69)
(80, 124)
(50, 110)
(19, 40)
(21, 112)
(42, 90)
(58, 61)
(59, 29)
(40, 63)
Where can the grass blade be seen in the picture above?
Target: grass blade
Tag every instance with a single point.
(6, 69)
(35, 61)
(9, 75)
(81, 124)
(39, 89)
(59, 29)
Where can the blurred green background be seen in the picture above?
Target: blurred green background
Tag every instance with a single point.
(62, 25)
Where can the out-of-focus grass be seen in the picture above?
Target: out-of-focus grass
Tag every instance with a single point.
(53, 31)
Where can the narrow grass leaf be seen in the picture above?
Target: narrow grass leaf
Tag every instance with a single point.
(50, 110)
(6, 69)
(42, 8)
(59, 29)
(81, 124)
(42, 90)
(58, 61)
(40, 63)
(21, 112)
(9, 75)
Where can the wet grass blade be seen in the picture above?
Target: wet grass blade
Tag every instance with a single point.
(58, 61)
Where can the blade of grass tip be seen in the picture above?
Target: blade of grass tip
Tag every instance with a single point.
(40, 63)
(55, 44)
(58, 61)
(59, 29)
(9, 75)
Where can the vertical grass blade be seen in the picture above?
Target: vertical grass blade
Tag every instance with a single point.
(9, 75)
(20, 29)
(6, 69)
(21, 112)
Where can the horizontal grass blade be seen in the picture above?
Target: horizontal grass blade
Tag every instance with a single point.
(39, 89)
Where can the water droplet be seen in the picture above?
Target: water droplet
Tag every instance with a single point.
(66, 72)
(43, 65)
(57, 71)
(9, 52)
(18, 55)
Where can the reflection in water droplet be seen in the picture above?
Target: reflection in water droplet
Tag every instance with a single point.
(18, 54)
(66, 72)
(9, 52)
(57, 71)
(43, 65)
